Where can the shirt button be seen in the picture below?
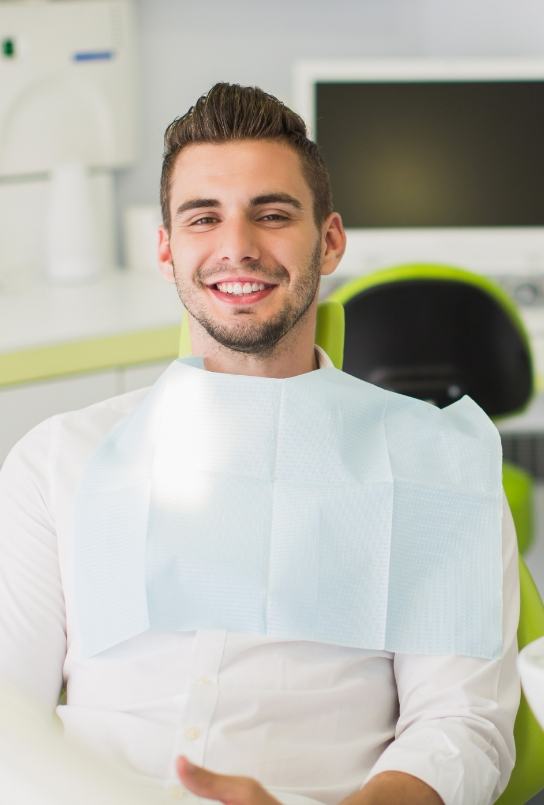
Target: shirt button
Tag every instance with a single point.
(204, 680)
(192, 733)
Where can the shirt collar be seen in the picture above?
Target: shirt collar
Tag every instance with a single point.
(323, 360)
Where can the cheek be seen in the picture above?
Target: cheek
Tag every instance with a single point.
(304, 245)
(292, 253)
(189, 254)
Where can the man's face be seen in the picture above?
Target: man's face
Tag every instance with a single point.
(244, 245)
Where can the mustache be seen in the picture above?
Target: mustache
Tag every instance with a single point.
(275, 275)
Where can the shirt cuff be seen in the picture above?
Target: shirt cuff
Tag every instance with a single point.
(458, 768)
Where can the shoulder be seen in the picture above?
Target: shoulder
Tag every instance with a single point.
(105, 412)
(69, 437)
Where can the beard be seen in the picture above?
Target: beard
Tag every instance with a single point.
(244, 335)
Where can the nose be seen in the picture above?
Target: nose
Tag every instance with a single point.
(238, 243)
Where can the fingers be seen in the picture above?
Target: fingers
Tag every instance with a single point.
(222, 787)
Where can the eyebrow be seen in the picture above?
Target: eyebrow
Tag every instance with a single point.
(267, 198)
(275, 198)
(196, 203)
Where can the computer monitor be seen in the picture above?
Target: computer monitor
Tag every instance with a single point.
(432, 160)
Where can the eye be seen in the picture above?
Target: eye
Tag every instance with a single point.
(206, 219)
(273, 216)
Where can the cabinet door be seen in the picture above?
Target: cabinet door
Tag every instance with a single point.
(22, 407)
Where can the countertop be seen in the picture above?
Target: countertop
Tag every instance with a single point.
(120, 318)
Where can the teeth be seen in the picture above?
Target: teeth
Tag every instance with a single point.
(238, 289)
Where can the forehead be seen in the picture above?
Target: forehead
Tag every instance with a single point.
(238, 170)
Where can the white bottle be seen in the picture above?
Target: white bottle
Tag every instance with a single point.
(141, 237)
(72, 249)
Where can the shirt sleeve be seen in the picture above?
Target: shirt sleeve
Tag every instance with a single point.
(32, 612)
(456, 714)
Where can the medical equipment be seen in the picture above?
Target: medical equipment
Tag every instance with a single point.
(67, 95)
(435, 160)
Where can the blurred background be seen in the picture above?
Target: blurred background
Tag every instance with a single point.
(430, 115)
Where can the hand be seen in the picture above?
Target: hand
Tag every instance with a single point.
(222, 787)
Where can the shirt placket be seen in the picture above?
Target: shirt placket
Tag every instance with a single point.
(202, 692)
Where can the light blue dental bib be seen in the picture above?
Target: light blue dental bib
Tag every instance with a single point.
(317, 507)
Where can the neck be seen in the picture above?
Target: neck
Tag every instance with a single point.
(294, 355)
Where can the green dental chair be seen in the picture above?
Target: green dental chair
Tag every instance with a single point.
(528, 774)
(438, 332)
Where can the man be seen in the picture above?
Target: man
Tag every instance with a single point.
(190, 663)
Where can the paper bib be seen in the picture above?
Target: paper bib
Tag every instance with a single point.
(317, 507)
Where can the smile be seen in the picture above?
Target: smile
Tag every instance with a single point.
(237, 293)
(239, 288)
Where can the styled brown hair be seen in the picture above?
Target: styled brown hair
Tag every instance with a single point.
(231, 112)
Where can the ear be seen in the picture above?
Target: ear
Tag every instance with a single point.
(333, 243)
(166, 266)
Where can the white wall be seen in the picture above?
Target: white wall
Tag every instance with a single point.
(188, 45)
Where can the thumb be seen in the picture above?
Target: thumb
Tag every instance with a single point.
(204, 783)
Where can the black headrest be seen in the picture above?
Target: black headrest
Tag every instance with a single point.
(436, 340)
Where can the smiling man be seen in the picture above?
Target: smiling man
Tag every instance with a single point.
(262, 579)
(247, 260)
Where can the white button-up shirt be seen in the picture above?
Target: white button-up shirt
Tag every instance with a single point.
(309, 721)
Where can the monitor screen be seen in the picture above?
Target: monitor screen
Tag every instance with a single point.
(426, 153)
